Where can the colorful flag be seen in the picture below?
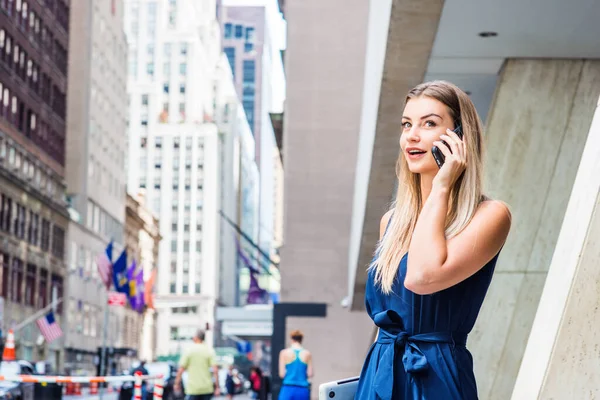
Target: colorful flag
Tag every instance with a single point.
(49, 327)
(139, 293)
(104, 263)
(256, 294)
(132, 289)
(120, 274)
(149, 288)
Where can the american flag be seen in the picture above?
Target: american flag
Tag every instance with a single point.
(49, 327)
(105, 265)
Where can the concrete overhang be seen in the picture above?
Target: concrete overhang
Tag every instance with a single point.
(401, 35)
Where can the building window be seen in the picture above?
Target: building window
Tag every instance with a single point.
(197, 288)
(33, 232)
(230, 53)
(182, 68)
(250, 34)
(45, 240)
(17, 280)
(185, 289)
(6, 213)
(249, 70)
(42, 297)
(57, 284)
(172, 290)
(174, 245)
(182, 88)
(30, 285)
(158, 142)
(239, 31)
(166, 88)
(58, 242)
(184, 49)
(144, 99)
(248, 47)
(4, 268)
(228, 31)
(150, 69)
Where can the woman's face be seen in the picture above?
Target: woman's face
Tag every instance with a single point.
(423, 121)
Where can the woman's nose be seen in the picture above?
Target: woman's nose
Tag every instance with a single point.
(412, 134)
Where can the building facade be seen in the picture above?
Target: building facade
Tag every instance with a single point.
(33, 214)
(142, 238)
(174, 155)
(255, 62)
(96, 132)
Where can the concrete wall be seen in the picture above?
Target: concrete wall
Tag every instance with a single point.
(536, 133)
(325, 61)
(561, 360)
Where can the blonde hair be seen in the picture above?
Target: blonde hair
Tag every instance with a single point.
(465, 195)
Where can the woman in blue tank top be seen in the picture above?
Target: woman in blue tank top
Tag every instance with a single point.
(295, 367)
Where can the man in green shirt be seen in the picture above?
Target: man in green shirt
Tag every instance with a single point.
(198, 361)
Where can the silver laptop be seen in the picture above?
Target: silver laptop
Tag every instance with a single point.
(344, 389)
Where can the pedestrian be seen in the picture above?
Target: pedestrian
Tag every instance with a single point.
(141, 368)
(230, 382)
(255, 381)
(436, 255)
(295, 367)
(198, 361)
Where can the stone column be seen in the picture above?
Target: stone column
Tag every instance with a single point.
(536, 132)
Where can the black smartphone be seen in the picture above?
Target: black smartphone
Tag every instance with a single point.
(437, 153)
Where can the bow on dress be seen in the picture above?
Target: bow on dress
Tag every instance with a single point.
(394, 338)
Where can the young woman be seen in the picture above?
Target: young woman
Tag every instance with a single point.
(255, 381)
(437, 251)
(295, 367)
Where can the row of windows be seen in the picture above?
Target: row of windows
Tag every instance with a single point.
(38, 33)
(185, 290)
(27, 169)
(16, 59)
(27, 225)
(176, 143)
(84, 318)
(103, 223)
(14, 110)
(237, 31)
(28, 284)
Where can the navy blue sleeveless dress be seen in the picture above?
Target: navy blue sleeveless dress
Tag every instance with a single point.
(420, 353)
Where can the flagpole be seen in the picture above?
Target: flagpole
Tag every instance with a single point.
(103, 352)
(36, 315)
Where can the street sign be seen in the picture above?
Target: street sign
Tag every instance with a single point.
(117, 299)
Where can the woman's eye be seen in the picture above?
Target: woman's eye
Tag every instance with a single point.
(429, 124)
(406, 125)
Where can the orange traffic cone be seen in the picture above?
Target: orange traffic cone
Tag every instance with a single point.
(94, 388)
(9, 347)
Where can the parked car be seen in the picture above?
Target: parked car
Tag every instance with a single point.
(16, 390)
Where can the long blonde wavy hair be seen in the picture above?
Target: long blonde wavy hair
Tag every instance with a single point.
(465, 195)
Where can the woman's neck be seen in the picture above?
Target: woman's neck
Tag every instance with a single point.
(296, 345)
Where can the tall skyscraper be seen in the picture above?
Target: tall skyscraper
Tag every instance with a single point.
(96, 144)
(33, 215)
(249, 45)
(173, 155)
